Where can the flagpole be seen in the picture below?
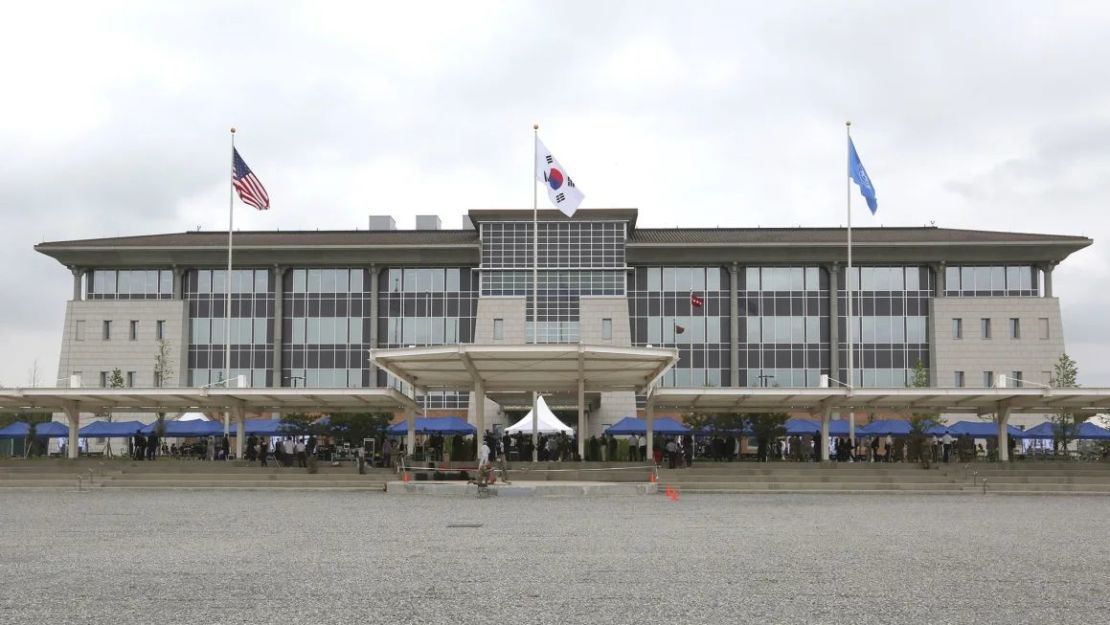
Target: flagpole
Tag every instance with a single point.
(851, 314)
(535, 280)
(227, 281)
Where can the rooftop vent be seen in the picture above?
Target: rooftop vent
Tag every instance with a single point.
(382, 222)
(427, 222)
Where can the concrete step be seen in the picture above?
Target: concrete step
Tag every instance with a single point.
(815, 486)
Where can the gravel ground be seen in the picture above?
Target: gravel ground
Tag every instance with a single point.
(305, 557)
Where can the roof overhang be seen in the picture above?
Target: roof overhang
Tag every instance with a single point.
(205, 399)
(942, 400)
(515, 368)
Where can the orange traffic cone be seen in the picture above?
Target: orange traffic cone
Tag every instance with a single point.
(405, 477)
(651, 477)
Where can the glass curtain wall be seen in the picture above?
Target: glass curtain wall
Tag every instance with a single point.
(890, 325)
(427, 306)
(996, 281)
(326, 328)
(130, 284)
(784, 326)
(252, 320)
(661, 314)
(576, 259)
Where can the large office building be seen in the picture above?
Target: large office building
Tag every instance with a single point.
(742, 306)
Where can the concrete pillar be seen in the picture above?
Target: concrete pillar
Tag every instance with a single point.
(78, 273)
(178, 283)
(279, 317)
(1047, 269)
(825, 416)
(581, 417)
(73, 420)
(410, 436)
(734, 323)
(240, 432)
(373, 338)
(940, 278)
(834, 321)
(480, 411)
(650, 436)
(1003, 434)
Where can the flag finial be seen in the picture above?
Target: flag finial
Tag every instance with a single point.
(233, 130)
(535, 126)
(847, 123)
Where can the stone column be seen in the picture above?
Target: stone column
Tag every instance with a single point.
(73, 418)
(373, 338)
(650, 435)
(834, 320)
(734, 323)
(581, 417)
(940, 277)
(825, 416)
(410, 437)
(1003, 434)
(78, 273)
(240, 431)
(1047, 269)
(178, 283)
(480, 410)
(279, 323)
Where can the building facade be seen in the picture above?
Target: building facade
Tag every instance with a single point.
(743, 306)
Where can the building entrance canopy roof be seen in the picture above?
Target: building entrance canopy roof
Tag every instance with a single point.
(213, 399)
(941, 400)
(513, 368)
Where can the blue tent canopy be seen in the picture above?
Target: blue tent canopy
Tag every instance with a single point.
(19, 429)
(632, 425)
(266, 427)
(801, 427)
(105, 429)
(434, 425)
(187, 429)
(1086, 431)
(981, 429)
(883, 427)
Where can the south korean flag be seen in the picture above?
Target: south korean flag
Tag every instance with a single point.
(560, 188)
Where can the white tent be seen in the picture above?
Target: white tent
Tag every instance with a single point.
(193, 416)
(546, 423)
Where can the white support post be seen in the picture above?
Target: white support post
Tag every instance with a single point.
(650, 435)
(410, 437)
(240, 431)
(480, 410)
(73, 417)
(1003, 433)
(825, 416)
(581, 417)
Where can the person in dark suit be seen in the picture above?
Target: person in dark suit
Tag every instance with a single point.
(151, 446)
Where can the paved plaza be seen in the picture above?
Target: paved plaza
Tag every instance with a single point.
(311, 557)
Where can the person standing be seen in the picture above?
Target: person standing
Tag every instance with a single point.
(633, 447)
(302, 455)
(151, 446)
(211, 448)
(225, 448)
(946, 445)
(263, 451)
(287, 451)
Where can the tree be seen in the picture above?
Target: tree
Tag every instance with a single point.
(355, 427)
(1065, 423)
(163, 370)
(767, 427)
(920, 422)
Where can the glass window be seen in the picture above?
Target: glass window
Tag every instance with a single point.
(607, 329)
(498, 329)
(957, 328)
(315, 281)
(913, 279)
(453, 279)
(959, 379)
(952, 278)
(985, 328)
(300, 280)
(713, 279)
(219, 281)
(133, 330)
(751, 279)
(165, 286)
(106, 330)
(988, 379)
(1043, 324)
(259, 331)
(1016, 379)
(813, 279)
(654, 279)
(160, 329)
(1015, 328)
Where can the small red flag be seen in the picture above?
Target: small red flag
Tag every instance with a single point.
(696, 301)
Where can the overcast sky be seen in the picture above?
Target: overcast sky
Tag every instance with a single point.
(988, 115)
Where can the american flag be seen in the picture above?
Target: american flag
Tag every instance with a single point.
(249, 186)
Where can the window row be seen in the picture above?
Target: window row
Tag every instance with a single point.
(243, 331)
(1014, 379)
(886, 330)
(427, 280)
(255, 378)
(1013, 328)
(668, 330)
(400, 331)
(1018, 280)
(784, 279)
(326, 331)
(889, 279)
(678, 279)
(106, 325)
(201, 281)
(325, 280)
(518, 283)
(130, 284)
(786, 329)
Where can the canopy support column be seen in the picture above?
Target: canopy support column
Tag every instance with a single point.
(240, 431)
(581, 416)
(1003, 433)
(650, 426)
(73, 416)
(410, 437)
(480, 411)
(826, 414)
